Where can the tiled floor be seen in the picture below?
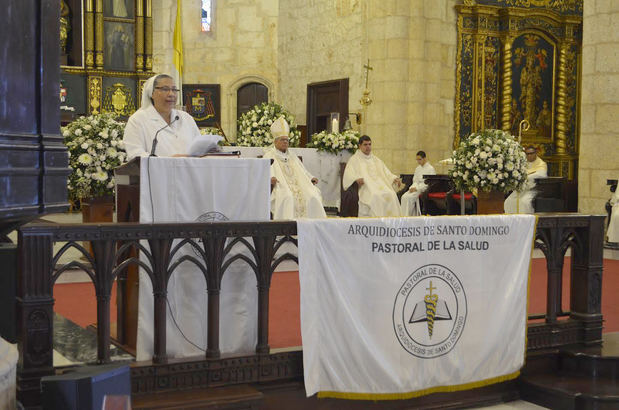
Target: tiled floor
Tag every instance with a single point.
(74, 344)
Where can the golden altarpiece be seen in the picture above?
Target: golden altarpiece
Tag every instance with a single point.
(520, 60)
(106, 55)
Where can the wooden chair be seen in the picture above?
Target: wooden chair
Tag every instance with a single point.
(433, 200)
(407, 181)
(551, 194)
(453, 203)
(349, 199)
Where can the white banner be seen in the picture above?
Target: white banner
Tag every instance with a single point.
(394, 308)
(202, 189)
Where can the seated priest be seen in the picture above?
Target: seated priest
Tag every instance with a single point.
(613, 225)
(174, 129)
(377, 185)
(294, 193)
(410, 200)
(521, 202)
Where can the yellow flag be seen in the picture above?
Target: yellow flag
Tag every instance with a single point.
(178, 40)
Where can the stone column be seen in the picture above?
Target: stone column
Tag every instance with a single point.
(599, 122)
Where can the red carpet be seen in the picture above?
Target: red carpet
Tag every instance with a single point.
(77, 301)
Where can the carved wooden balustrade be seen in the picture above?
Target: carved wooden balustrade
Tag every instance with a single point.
(111, 244)
(584, 235)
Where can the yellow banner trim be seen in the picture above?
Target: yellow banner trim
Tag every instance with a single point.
(418, 393)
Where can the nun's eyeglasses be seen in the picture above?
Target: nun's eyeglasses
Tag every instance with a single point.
(167, 90)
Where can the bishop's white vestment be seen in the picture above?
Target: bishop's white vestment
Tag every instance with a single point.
(613, 227)
(410, 200)
(294, 195)
(521, 202)
(377, 196)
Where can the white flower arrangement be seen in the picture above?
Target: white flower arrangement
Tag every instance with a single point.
(215, 131)
(95, 148)
(489, 160)
(254, 127)
(211, 131)
(336, 142)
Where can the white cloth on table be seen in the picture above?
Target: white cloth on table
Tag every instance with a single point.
(174, 139)
(377, 196)
(521, 202)
(613, 227)
(294, 195)
(202, 189)
(409, 202)
(8, 381)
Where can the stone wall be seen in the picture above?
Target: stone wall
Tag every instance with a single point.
(289, 44)
(412, 49)
(320, 40)
(241, 48)
(600, 105)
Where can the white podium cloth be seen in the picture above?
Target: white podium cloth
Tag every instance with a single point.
(8, 366)
(412, 306)
(203, 189)
(323, 165)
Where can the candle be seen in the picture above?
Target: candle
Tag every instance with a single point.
(335, 126)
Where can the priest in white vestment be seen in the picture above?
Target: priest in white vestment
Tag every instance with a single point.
(409, 203)
(174, 129)
(377, 185)
(294, 193)
(521, 202)
(613, 226)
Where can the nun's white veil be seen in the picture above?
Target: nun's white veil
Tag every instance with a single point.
(147, 92)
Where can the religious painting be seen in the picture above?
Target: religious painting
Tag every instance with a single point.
(202, 101)
(533, 61)
(119, 46)
(119, 9)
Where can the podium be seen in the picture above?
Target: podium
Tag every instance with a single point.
(186, 190)
(127, 178)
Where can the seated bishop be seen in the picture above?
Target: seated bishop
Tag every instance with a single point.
(294, 193)
(377, 185)
(410, 200)
(521, 202)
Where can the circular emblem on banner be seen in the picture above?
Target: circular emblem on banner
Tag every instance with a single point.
(212, 216)
(429, 313)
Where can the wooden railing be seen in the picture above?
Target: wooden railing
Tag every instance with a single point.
(111, 246)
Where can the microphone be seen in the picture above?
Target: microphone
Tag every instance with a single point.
(154, 147)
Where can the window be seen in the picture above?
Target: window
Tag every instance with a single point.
(207, 15)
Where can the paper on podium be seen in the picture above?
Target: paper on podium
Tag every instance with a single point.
(203, 144)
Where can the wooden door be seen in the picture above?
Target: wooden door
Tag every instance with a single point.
(323, 98)
(249, 95)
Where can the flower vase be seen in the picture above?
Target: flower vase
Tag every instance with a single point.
(490, 202)
(99, 209)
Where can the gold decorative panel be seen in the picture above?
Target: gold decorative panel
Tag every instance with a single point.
(117, 51)
(118, 99)
(521, 63)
